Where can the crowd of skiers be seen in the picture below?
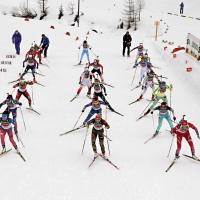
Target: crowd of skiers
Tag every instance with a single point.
(159, 88)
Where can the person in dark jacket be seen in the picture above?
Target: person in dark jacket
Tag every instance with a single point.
(181, 8)
(127, 43)
(44, 44)
(16, 39)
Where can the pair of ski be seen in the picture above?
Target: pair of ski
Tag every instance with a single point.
(106, 159)
(17, 153)
(77, 96)
(33, 110)
(135, 101)
(107, 84)
(82, 126)
(174, 161)
(151, 138)
(115, 112)
(18, 80)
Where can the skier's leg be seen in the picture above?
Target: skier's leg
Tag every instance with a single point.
(10, 133)
(82, 54)
(93, 139)
(26, 94)
(190, 142)
(79, 90)
(179, 141)
(2, 133)
(101, 141)
(160, 120)
(18, 95)
(88, 57)
(91, 113)
(168, 118)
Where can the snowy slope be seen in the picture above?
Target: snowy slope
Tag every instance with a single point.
(55, 168)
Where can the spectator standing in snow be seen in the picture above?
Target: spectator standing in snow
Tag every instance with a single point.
(16, 39)
(181, 8)
(126, 43)
(44, 44)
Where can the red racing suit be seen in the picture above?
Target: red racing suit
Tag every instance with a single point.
(184, 132)
(22, 90)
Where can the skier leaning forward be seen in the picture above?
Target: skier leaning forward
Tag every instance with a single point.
(98, 131)
(22, 90)
(163, 113)
(182, 130)
(159, 93)
(96, 108)
(5, 127)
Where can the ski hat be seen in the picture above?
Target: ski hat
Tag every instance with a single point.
(163, 83)
(151, 72)
(98, 117)
(85, 41)
(140, 44)
(43, 35)
(5, 114)
(9, 96)
(184, 122)
(86, 69)
(163, 104)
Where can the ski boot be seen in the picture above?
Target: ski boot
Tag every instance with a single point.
(193, 155)
(140, 97)
(176, 157)
(153, 98)
(148, 111)
(79, 63)
(104, 156)
(155, 134)
(96, 154)
(3, 149)
(17, 150)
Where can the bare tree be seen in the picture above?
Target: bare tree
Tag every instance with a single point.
(43, 8)
(136, 19)
(71, 8)
(128, 13)
(23, 11)
(140, 5)
(61, 12)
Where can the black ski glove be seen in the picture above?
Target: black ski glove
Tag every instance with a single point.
(151, 112)
(83, 110)
(174, 118)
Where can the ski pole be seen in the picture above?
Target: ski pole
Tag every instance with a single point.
(78, 53)
(107, 142)
(22, 118)
(145, 108)
(77, 120)
(171, 146)
(134, 75)
(85, 139)
(153, 123)
(170, 102)
(13, 90)
(93, 53)
(106, 132)
(107, 137)
(40, 71)
(21, 142)
(32, 94)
